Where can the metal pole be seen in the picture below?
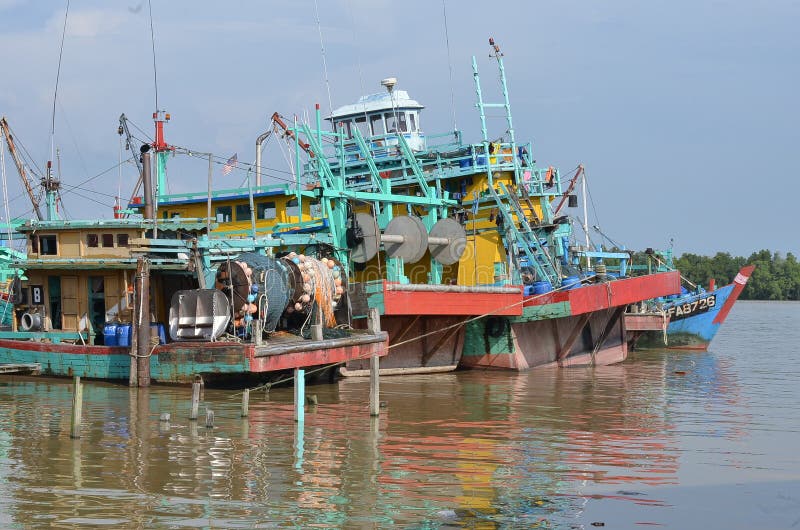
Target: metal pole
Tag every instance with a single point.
(147, 180)
(208, 214)
(299, 394)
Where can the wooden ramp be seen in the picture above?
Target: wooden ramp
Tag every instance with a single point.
(16, 368)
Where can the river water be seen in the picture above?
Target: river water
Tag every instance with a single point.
(672, 439)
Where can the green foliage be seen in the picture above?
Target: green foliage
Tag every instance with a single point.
(775, 277)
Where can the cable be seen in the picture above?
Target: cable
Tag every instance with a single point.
(324, 60)
(55, 91)
(449, 65)
(153, 41)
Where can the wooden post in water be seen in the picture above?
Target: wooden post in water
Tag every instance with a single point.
(133, 374)
(143, 322)
(299, 394)
(195, 401)
(245, 402)
(77, 406)
(374, 366)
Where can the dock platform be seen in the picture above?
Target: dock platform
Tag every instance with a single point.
(23, 368)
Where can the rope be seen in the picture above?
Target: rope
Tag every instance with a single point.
(267, 386)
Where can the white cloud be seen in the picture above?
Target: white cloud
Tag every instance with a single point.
(88, 23)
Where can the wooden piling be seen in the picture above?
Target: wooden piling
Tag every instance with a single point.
(245, 403)
(209, 419)
(195, 401)
(299, 394)
(374, 366)
(77, 408)
(143, 322)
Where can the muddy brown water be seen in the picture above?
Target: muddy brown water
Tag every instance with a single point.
(679, 440)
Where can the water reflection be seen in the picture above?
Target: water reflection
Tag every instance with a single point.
(477, 450)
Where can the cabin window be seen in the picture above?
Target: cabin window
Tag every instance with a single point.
(266, 210)
(391, 123)
(92, 240)
(292, 208)
(343, 127)
(48, 245)
(223, 214)
(122, 240)
(361, 123)
(108, 240)
(412, 119)
(242, 212)
(401, 120)
(376, 124)
(34, 244)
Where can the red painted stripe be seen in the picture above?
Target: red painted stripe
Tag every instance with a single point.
(737, 290)
(447, 303)
(303, 359)
(600, 296)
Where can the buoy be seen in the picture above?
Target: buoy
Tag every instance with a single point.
(298, 306)
(305, 298)
(331, 264)
(307, 287)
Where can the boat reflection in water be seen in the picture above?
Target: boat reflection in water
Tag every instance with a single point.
(472, 449)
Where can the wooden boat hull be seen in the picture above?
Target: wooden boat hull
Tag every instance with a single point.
(182, 362)
(576, 327)
(695, 319)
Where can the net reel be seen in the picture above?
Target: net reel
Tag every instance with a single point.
(405, 237)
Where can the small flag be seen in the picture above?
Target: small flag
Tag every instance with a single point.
(475, 204)
(230, 164)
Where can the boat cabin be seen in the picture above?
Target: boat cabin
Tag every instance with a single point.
(379, 117)
(80, 274)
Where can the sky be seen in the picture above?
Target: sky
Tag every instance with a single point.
(683, 112)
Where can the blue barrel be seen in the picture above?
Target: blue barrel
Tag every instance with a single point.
(571, 282)
(110, 334)
(124, 335)
(542, 287)
(162, 337)
(465, 162)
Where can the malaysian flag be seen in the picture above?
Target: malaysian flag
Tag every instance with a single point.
(230, 164)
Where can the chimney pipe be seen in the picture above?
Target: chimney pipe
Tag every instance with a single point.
(147, 182)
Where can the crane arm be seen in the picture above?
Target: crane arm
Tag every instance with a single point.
(23, 175)
(129, 144)
(571, 187)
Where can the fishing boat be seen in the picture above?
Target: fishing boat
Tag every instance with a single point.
(142, 299)
(688, 321)
(459, 246)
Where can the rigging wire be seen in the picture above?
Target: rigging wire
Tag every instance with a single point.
(55, 91)
(153, 42)
(449, 65)
(324, 59)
